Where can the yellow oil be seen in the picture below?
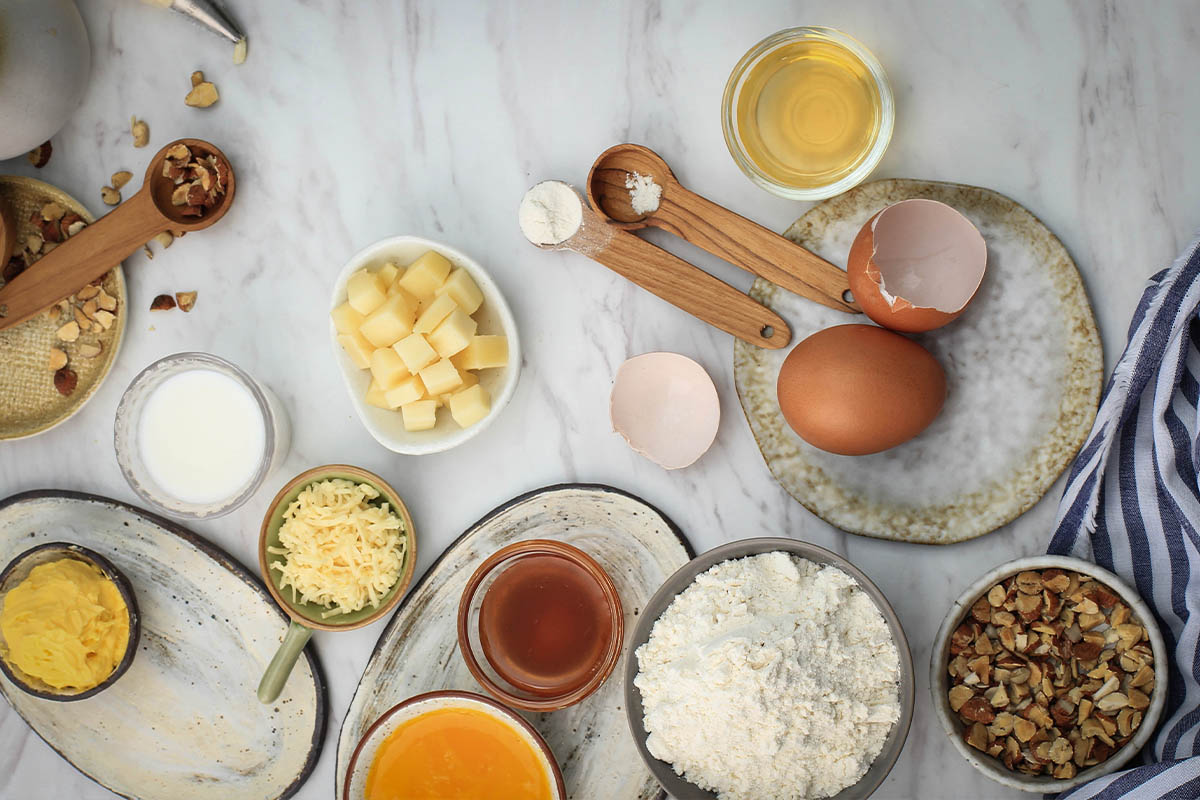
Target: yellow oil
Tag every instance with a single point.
(808, 113)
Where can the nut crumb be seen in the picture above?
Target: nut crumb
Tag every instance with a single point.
(106, 319)
(110, 196)
(68, 332)
(165, 239)
(58, 359)
(197, 78)
(65, 381)
(40, 155)
(106, 301)
(88, 292)
(90, 350)
(164, 302)
(140, 131)
(240, 50)
(187, 300)
(202, 95)
(121, 178)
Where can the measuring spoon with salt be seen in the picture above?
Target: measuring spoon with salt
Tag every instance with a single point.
(554, 216)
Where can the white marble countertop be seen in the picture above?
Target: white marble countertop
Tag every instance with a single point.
(355, 121)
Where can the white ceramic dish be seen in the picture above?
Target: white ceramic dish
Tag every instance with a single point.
(939, 680)
(494, 317)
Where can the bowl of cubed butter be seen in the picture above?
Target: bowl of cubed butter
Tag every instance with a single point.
(426, 344)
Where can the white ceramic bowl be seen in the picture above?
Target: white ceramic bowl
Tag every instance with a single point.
(939, 684)
(494, 317)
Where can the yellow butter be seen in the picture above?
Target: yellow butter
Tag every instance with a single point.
(65, 624)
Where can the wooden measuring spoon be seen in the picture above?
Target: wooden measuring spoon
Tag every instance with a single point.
(715, 228)
(682, 284)
(109, 240)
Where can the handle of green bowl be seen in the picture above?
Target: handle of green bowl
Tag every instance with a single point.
(274, 679)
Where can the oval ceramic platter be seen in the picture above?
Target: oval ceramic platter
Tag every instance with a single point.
(418, 652)
(184, 721)
(1023, 366)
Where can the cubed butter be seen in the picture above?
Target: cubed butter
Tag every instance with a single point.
(425, 275)
(389, 272)
(419, 415)
(346, 319)
(462, 287)
(439, 308)
(416, 352)
(441, 377)
(375, 396)
(390, 322)
(470, 405)
(365, 291)
(453, 334)
(387, 368)
(358, 348)
(484, 352)
(407, 391)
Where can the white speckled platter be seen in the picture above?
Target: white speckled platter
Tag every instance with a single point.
(1023, 365)
(184, 721)
(418, 652)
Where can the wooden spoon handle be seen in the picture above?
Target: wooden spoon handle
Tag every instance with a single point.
(81, 259)
(752, 247)
(692, 289)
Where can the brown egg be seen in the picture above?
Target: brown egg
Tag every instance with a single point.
(859, 389)
(916, 265)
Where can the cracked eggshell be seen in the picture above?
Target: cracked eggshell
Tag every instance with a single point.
(666, 407)
(916, 265)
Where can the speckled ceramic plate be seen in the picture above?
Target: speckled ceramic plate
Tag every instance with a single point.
(418, 652)
(1023, 365)
(29, 403)
(183, 721)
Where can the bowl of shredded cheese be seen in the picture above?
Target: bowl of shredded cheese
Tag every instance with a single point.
(336, 551)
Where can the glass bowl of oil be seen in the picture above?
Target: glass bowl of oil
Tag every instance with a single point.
(808, 113)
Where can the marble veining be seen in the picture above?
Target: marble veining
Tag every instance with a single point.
(350, 122)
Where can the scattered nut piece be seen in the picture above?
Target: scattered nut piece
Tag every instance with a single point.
(53, 212)
(90, 350)
(58, 359)
(65, 381)
(110, 196)
(165, 239)
(106, 301)
(90, 308)
(121, 178)
(186, 300)
(239, 51)
(89, 291)
(149, 253)
(202, 95)
(106, 319)
(140, 131)
(40, 155)
(197, 78)
(83, 322)
(68, 332)
(164, 302)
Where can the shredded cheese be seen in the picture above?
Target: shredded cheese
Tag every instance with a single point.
(339, 551)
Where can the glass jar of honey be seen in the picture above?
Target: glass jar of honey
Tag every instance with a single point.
(807, 113)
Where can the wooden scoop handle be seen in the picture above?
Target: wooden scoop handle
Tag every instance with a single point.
(81, 259)
(692, 289)
(752, 247)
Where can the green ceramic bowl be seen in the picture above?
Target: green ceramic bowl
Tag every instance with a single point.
(306, 617)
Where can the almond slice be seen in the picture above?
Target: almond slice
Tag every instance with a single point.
(58, 359)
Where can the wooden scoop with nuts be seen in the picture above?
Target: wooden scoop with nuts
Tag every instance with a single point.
(189, 185)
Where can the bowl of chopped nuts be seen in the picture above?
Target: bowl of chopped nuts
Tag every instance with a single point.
(1048, 672)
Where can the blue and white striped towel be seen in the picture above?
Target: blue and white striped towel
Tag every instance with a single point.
(1132, 505)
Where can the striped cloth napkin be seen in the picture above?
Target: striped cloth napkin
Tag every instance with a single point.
(1132, 505)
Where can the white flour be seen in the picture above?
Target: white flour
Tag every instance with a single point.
(644, 192)
(551, 212)
(770, 677)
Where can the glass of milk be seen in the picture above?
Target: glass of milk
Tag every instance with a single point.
(196, 436)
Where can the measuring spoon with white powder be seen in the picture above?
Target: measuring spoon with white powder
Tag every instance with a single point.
(553, 216)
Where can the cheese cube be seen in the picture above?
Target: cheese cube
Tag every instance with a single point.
(470, 405)
(420, 415)
(453, 334)
(416, 352)
(375, 396)
(469, 379)
(387, 368)
(389, 272)
(441, 377)
(437, 310)
(484, 352)
(346, 319)
(462, 287)
(425, 275)
(407, 391)
(365, 291)
(391, 321)
(358, 348)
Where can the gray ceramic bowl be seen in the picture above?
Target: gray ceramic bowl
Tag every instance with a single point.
(18, 570)
(683, 577)
(939, 684)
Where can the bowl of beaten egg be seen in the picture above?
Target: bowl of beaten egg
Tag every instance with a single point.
(452, 744)
(426, 344)
(69, 622)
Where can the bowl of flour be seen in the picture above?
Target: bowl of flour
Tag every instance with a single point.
(770, 669)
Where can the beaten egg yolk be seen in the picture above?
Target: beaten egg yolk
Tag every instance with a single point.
(457, 753)
(66, 624)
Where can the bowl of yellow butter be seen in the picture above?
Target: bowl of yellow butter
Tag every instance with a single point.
(425, 342)
(69, 622)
